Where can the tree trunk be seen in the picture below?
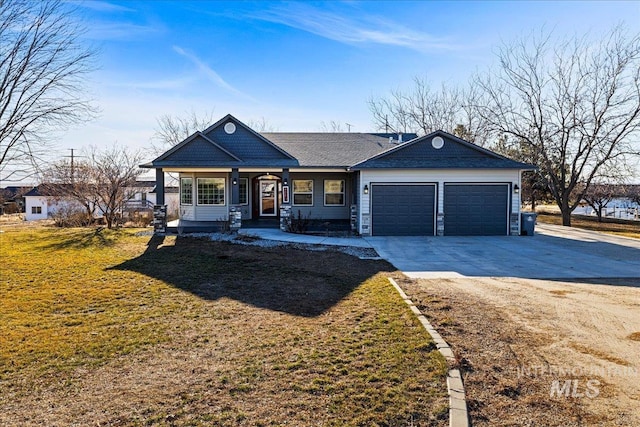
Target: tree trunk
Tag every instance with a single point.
(566, 213)
(599, 213)
(533, 201)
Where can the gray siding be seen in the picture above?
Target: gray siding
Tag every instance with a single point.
(199, 149)
(245, 144)
(319, 211)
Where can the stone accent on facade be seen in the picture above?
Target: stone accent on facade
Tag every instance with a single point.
(366, 222)
(285, 217)
(159, 218)
(235, 217)
(514, 224)
(440, 224)
(354, 218)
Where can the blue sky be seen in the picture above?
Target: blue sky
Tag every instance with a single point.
(295, 64)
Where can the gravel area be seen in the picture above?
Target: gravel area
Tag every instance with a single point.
(241, 239)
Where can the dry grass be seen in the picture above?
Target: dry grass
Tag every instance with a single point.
(560, 292)
(635, 336)
(493, 354)
(608, 225)
(109, 328)
(599, 354)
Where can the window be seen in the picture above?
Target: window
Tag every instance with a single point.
(36, 209)
(334, 192)
(186, 191)
(210, 191)
(244, 191)
(303, 192)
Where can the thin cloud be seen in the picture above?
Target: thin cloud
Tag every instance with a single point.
(103, 6)
(120, 30)
(351, 30)
(209, 72)
(167, 84)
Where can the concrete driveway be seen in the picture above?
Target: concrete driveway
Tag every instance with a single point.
(555, 252)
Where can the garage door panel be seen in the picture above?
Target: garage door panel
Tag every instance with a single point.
(402, 210)
(475, 210)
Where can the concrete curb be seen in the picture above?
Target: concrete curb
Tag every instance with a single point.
(458, 414)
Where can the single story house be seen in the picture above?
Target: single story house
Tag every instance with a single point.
(379, 184)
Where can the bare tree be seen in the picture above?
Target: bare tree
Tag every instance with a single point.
(43, 64)
(331, 126)
(423, 110)
(72, 181)
(575, 105)
(261, 125)
(114, 172)
(172, 130)
(599, 195)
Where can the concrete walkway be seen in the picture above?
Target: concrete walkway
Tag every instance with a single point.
(281, 236)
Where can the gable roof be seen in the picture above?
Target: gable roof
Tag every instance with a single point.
(215, 147)
(456, 153)
(230, 143)
(246, 143)
(324, 149)
(47, 189)
(196, 150)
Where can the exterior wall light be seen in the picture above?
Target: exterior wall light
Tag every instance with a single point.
(365, 190)
(235, 181)
(285, 182)
(516, 189)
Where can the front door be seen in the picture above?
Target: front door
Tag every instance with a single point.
(268, 198)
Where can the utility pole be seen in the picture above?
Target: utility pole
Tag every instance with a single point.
(348, 126)
(73, 174)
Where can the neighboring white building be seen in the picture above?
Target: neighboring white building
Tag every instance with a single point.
(40, 203)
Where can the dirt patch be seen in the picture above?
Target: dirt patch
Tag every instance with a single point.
(634, 336)
(529, 358)
(560, 292)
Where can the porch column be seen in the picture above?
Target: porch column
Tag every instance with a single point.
(159, 209)
(235, 186)
(286, 186)
(235, 210)
(159, 187)
(285, 207)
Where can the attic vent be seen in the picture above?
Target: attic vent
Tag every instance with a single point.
(437, 142)
(229, 128)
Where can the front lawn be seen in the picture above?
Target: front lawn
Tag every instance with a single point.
(114, 328)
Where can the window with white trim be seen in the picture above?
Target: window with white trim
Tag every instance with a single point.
(210, 191)
(36, 210)
(186, 191)
(244, 191)
(303, 192)
(334, 192)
